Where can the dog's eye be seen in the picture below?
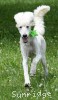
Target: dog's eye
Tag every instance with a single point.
(20, 27)
(27, 26)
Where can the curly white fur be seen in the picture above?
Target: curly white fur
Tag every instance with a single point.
(39, 18)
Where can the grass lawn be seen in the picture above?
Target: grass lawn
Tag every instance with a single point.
(11, 71)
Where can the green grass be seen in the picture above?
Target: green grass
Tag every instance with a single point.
(11, 71)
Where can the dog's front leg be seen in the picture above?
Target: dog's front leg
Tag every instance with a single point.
(24, 53)
(26, 75)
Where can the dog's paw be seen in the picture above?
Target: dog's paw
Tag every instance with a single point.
(27, 86)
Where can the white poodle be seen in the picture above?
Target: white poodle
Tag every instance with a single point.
(32, 43)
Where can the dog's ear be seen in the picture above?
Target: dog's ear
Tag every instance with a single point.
(15, 21)
(16, 18)
(41, 10)
(17, 25)
(32, 20)
(32, 23)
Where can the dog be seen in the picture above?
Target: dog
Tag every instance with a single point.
(28, 44)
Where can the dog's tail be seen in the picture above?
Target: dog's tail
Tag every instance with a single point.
(39, 18)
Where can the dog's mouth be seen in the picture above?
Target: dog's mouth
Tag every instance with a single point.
(25, 39)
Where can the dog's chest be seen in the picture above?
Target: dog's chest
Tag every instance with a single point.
(31, 48)
(31, 45)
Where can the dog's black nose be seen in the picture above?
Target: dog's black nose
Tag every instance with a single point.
(24, 35)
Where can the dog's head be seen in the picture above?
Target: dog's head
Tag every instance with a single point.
(24, 21)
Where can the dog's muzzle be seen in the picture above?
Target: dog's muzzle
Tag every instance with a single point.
(25, 38)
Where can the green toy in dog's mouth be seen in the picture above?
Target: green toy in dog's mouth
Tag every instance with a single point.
(33, 33)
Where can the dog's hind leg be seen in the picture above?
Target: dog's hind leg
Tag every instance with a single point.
(33, 65)
(44, 65)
